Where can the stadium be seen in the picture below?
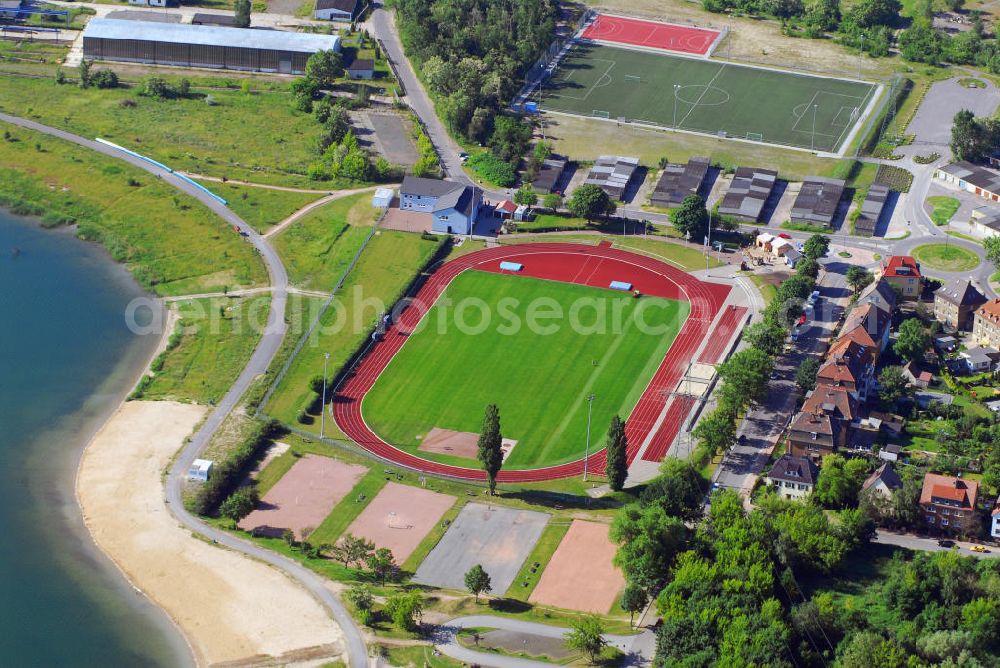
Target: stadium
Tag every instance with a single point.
(662, 75)
(416, 398)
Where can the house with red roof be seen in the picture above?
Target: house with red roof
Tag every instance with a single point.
(903, 273)
(849, 365)
(949, 504)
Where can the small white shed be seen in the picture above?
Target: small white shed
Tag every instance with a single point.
(200, 470)
(383, 198)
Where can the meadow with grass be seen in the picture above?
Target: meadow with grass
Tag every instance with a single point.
(461, 360)
(318, 248)
(172, 244)
(261, 208)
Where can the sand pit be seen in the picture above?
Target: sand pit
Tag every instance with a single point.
(230, 608)
(304, 496)
(498, 538)
(458, 443)
(583, 556)
(399, 517)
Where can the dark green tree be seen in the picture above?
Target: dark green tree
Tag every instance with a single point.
(477, 581)
(807, 267)
(324, 68)
(805, 375)
(616, 465)
(992, 246)
(858, 278)
(526, 195)
(766, 335)
(745, 376)
(892, 385)
(240, 503)
(840, 481)
(912, 340)
(648, 541)
(242, 9)
(490, 452)
(589, 201)
(405, 609)
(691, 218)
(382, 565)
(816, 246)
(679, 489)
(970, 138)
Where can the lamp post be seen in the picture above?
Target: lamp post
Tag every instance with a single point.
(677, 88)
(322, 407)
(586, 453)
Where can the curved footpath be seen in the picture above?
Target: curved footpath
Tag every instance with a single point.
(270, 341)
(638, 648)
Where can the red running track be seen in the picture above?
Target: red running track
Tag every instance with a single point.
(729, 322)
(595, 266)
(636, 32)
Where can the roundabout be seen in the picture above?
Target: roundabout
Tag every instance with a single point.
(945, 257)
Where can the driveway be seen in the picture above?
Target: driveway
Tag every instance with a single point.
(932, 123)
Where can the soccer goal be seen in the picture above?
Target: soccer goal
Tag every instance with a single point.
(632, 78)
(597, 113)
(755, 136)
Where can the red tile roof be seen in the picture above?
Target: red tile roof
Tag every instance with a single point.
(990, 310)
(948, 488)
(900, 266)
(507, 206)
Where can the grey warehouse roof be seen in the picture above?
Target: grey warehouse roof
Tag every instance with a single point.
(818, 200)
(678, 181)
(181, 33)
(748, 192)
(974, 174)
(613, 173)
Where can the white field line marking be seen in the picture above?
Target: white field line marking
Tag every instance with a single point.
(707, 87)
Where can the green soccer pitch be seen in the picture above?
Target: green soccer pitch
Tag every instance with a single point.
(706, 96)
(445, 377)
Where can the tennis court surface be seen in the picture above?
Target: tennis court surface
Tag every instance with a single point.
(706, 96)
(497, 538)
(650, 34)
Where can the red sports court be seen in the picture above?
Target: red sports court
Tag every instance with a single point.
(636, 32)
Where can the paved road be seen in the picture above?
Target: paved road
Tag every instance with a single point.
(270, 341)
(639, 648)
(911, 542)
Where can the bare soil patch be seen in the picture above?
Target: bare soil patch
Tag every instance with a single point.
(583, 556)
(399, 517)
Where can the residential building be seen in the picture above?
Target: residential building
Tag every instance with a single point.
(453, 206)
(149, 3)
(956, 302)
(868, 326)
(849, 365)
(946, 343)
(747, 194)
(793, 477)
(916, 376)
(837, 402)
(549, 173)
(986, 324)
(814, 435)
(880, 294)
(361, 68)
(214, 47)
(949, 504)
(985, 221)
(336, 10)
(995, 520)
(978, 359)
(818, 201)
(891, 452)
(903, 273)
(678, 181)
(883, 482)
(971, 178)
(612, 174)
(871, 210)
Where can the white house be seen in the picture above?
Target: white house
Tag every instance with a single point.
(453, 206)
(200, 470)
(995, 525)
(383, 198)
(148, 3)
(793, 477)
(883, 482)
(335, 10)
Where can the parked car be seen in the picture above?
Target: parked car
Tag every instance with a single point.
(944, 542)
(978, 548)
(784, 235)
(801, 321)
(814, 295)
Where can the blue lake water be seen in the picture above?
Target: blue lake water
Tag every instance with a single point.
(66, 360)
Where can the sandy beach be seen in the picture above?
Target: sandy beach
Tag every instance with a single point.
(230, 608)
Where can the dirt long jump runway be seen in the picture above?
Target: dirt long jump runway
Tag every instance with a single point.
(580, 575)
(399, 517)
(304, 496)
(497, 538)
(559, 262)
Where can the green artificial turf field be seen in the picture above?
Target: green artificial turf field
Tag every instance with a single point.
(706, 96)
(445, 377)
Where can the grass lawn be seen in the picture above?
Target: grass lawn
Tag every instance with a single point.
(263, 208)
(256, 137)
(945, 258)
(385, 269)
(944, 208)
(218, 336)
(349, 507)
(777, 107)
(546, 546)
(317, 248)
(171, 243)
(767, 290)
(444, 376)
(967, 237)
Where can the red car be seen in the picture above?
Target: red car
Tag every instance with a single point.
(784, 235)
(801, 321)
